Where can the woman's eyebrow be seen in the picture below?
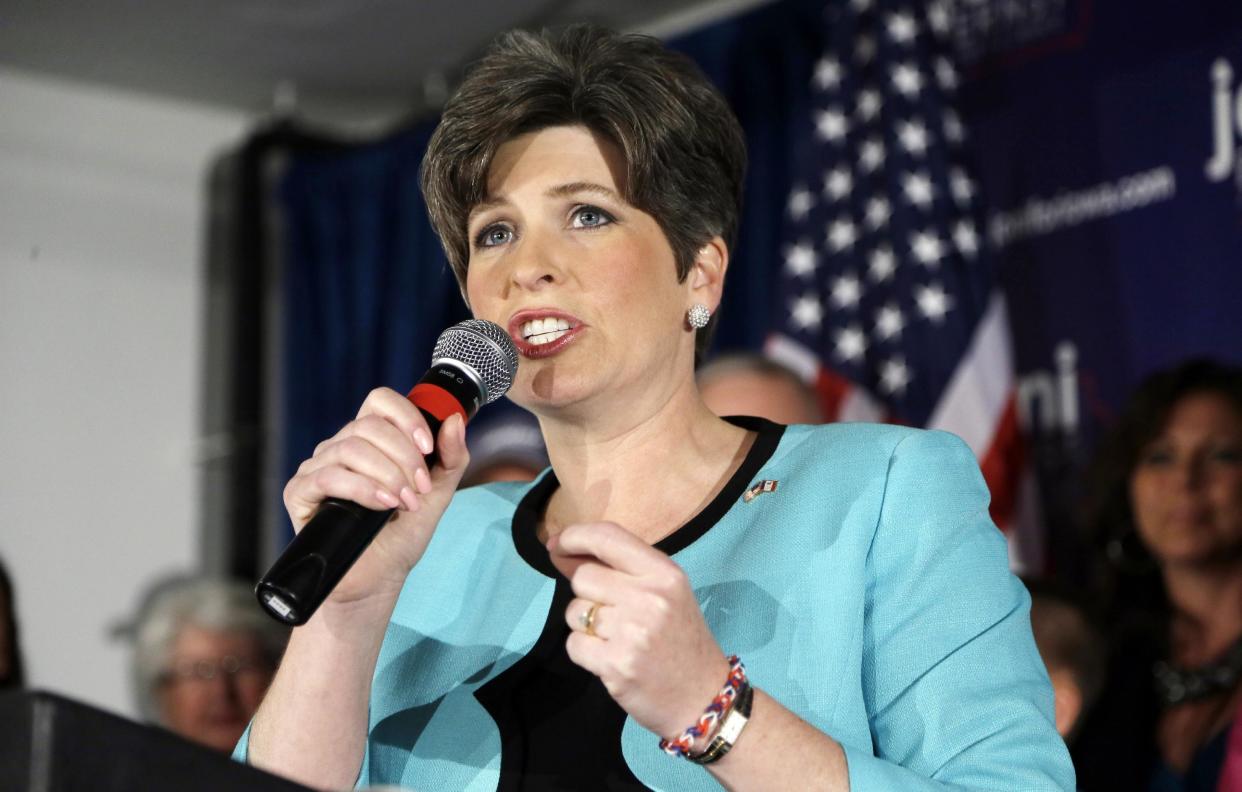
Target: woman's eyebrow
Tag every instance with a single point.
(488, 202)
(572, 188)
(557, 191)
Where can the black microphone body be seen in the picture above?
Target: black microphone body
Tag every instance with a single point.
(329, 544)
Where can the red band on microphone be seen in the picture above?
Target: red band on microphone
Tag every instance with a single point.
(437, 401)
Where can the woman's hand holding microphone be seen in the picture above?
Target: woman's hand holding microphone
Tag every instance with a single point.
(313, 722)
(377, 461)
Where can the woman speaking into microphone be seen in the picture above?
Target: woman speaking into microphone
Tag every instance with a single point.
(680, 601)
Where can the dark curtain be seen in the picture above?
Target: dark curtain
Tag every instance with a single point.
(366, 286)
(241, 275)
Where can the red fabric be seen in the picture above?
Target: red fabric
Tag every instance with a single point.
(1002, 466)
(833, 390)
(1231, 773)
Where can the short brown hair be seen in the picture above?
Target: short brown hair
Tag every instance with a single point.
(684, 149)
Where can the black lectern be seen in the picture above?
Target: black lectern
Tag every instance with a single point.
(51, 744)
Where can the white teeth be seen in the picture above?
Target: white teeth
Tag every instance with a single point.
(539, 327)
(545, 338)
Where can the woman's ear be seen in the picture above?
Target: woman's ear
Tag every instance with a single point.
(707, 274)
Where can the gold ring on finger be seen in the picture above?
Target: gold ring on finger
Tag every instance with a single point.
(587, 619)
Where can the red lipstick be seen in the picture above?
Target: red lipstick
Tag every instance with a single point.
(528, 350)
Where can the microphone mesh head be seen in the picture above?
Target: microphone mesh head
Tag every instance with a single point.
(486, 348)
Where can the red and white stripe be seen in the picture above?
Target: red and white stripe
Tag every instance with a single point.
(978, 405)
(840, 399)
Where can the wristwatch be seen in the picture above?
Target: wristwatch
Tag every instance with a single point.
(730, 727)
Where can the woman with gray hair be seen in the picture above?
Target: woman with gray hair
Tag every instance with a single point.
(204, 654)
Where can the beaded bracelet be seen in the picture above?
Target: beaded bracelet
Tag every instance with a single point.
(680, 746)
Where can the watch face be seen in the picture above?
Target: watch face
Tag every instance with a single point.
(732, 726)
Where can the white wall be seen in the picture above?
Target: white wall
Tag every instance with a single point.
(101, 216)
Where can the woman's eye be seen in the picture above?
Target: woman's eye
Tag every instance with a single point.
(590, 217)
(1156, 456)
(492, 236)
(1229, 454)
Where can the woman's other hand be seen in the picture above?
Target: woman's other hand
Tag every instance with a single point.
(650, 646)
(376, 461)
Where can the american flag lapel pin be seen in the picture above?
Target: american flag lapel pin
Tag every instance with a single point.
(767, 485)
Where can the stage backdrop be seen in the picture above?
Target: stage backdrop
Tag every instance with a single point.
(997, 214)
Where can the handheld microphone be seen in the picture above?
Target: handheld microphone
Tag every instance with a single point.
(473, 364)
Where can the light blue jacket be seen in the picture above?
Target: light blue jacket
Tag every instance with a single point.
(869, 594)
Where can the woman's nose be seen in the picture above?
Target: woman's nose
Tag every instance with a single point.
(534, 264)
(1191, 471)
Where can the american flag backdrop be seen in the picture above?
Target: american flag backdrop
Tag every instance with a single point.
(888, 297)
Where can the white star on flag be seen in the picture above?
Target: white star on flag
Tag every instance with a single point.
(902, 28)
(841, 234)
(946, 75)
(918, 189)
(907, 80)
(889, 322)
(962, 187)
(954, 132)
(807, 312)
(882, 264)
(913, 136)
(864, 49)
(927, 248)
(871, 155)
(966, 238)
(933, 302)
(800, 259)
(827, 74)
(800, 202)
(878, 212)
(838, 183)
(831, 125)
(846, 291)
(869, 104)
(894, 376)
(938, 16)
(851, 343)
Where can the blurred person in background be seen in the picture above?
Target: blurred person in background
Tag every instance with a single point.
(505, 445)
(204, 654)
(12, 671)
(751, 384)
(1165, 507)
(1073, 651)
